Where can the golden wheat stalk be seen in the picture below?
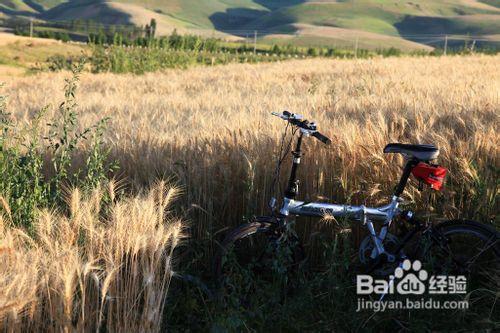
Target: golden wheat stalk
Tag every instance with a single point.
(85, 272)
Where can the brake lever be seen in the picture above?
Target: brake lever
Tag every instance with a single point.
(286, 115)
(279, 115)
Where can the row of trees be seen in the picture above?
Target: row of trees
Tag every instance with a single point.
(51, 34)
(173, 41)
(186, 42)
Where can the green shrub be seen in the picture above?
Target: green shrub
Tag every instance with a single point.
(390, 52)
(62, 36)
(36, 159)
(312, 51)
(59, 62)
(276, 49)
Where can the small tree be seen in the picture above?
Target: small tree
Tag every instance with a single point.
(117, 39)
(152, 26)
(312, 51)
(151, 29)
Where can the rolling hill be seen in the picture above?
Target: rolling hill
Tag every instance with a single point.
(372, 23)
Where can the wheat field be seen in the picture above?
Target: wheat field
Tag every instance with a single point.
(209, 131)
(210, 128)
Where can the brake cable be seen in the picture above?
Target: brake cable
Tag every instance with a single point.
(283, 152)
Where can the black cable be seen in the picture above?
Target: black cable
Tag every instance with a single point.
(283, 152)
(279, 161)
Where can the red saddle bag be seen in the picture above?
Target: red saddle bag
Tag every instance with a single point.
(429, 174)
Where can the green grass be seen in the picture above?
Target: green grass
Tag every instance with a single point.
(387, 17)
(319, 298)
(366, 23)
(207, 14)
(26, 55)
(340, 43)
(494, 3)
(48, 4)
(15, 5)
(474, 25)
(98, 12)
(370, 16)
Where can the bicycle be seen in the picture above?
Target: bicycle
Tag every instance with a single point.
(453, 246)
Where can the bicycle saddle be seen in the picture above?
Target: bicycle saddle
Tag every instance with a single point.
(419, 152)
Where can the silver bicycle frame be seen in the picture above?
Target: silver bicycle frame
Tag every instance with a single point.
(359, 213)
(362, 213)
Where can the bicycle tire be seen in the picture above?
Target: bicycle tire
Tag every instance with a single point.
(264, 264)
(477, 255)
(240, 232)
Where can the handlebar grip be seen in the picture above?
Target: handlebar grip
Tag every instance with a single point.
(322, 138)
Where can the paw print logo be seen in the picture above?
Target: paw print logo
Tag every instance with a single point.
(412, 277)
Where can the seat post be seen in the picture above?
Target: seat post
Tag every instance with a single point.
(410, 164)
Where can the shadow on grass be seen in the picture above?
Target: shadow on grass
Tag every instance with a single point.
(243, 21)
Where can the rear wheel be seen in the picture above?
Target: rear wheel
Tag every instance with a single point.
(466, 248)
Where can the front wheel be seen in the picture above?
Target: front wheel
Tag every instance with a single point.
(254, 258)
(244, 239)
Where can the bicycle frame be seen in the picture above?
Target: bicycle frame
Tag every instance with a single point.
(364, 214)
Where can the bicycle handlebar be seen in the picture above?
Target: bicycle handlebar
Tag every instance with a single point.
(322, 138)
(309, 128)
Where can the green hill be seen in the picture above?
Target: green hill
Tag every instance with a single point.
(373, 23)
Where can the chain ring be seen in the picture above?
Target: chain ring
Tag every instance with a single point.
(391, 242)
